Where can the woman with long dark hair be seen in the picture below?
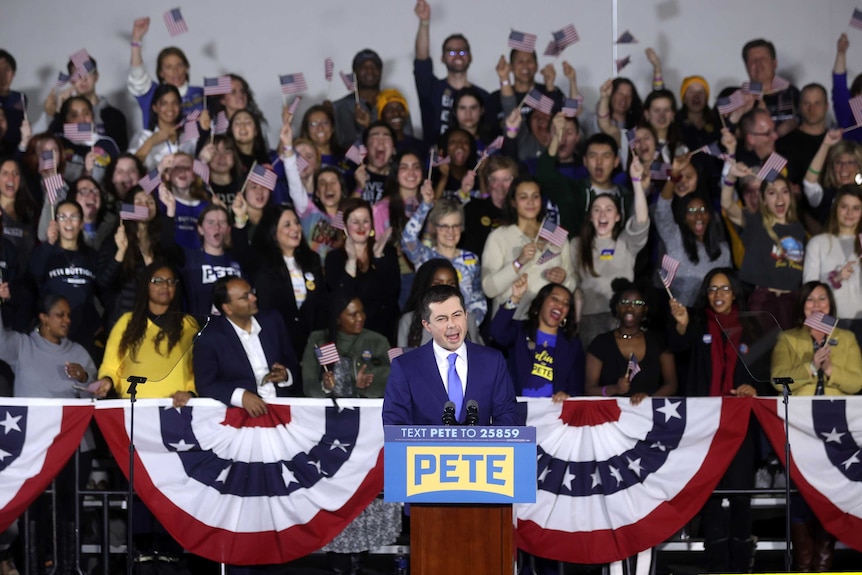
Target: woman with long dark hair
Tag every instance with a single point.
(160, 138)
(290, 279)
(547, 356)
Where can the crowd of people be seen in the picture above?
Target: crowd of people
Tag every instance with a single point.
(555, 217)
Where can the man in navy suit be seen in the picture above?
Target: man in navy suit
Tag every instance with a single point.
(448, 369)
(244, 357)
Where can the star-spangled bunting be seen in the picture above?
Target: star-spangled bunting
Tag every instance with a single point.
(217, 86)
(328, 69)
(293, 83)
(522, 41)
(175, 22)
(538, 101)
(263, 176)
(134, 212)
(772, 167)
(326, 354)
(150, 182)
(668, 269)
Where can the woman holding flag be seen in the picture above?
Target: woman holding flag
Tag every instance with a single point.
(833, 257)
(162, 137)
(822, 359)
(529, 245)
(630, 361)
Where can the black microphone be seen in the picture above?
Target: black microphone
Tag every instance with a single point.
(449, 414)
(472, 413)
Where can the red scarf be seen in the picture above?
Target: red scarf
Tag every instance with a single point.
(726, 337)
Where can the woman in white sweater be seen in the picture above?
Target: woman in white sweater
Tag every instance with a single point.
(833, 257)
(516, 249)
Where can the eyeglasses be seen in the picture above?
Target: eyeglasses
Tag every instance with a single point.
(87, 191)
(317, 123)
(448, 227)
(181, 169)
(633, 302)
(716, 289)
(700, 210)
(848, 163)
(68, 218)
(457, 52)
(172, 282)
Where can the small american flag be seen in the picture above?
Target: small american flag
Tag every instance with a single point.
(538, 101)
(547, 256)
(175, 22)
(80, 133)
(337, 221)
(437, 159)
(779, 84)
(668, 269)
(856, 108)
(221, 124)
(217, 86)
(555, 234)
(566, 37)
(53, 184)
(821, 322)
(292, 83)
(46, 161)
(730, 104)
(193, 116)
(150, 182)
(349, 81)
(631, 136)
(570, 107)
(78, 59)
(356, 153)
(327, 354)
(190, 133)
(623, 62)
(201, 170)
(772, 167)
(494, 146)
(328, 69)
(397, 352)
(753, 88)
(62, 80)
(294, 105)
(552, 49)
(522, 41)
(301, 162)
(262, 176)
(712, 149)
(633, 368)
(659, 171)
(856, 19)
(134, 213)
(627, 38)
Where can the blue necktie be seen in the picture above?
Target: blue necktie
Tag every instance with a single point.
(456, 393)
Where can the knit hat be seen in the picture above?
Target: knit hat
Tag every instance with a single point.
(693, 80)
(388, 96)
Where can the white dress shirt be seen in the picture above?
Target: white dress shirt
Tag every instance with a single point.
(250, 341)
(442, 357)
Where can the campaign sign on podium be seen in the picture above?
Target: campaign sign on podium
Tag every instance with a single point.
(459, 464)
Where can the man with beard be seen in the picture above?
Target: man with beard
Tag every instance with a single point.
(436, 95)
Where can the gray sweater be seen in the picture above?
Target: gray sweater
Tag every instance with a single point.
(40, 366)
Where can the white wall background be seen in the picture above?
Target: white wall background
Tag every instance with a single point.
(260, 39)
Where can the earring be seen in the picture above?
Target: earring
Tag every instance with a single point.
(371, 233)
(563, 322)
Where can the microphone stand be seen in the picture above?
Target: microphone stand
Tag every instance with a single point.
(134, 381)
(785, 382)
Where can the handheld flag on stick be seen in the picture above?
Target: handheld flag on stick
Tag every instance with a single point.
(554, 233)
(134, 213)
(175, 22)
(522, 41)
(328, 69)
(293, 83)
(819, 321)
(667, 272)
(150, 182)
(633, 368)
(772, 167)
(217, 86)
(326, 354)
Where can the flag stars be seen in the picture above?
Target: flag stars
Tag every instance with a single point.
(544, 474)
(616, 474)
(670, 410)
(336, 444)
(853, 459)
(635, 466)
(10, 423)
(222, 476)
(659, 445)
(317, 465)
(568, 478)
(596, 477)
(4, 454)
(287, 475)
(833, 437)
(181, 445)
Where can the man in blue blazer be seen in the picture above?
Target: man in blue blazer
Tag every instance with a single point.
(448, 369)
(244, 356)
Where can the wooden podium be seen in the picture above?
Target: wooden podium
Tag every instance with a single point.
(460, 483)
